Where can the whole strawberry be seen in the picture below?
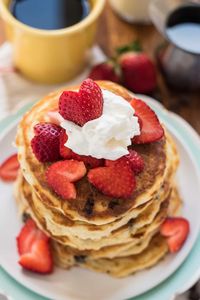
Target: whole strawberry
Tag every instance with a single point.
(138, 71)
(46, 142)
(105, 71)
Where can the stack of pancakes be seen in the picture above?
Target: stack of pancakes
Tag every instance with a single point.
(116, 236)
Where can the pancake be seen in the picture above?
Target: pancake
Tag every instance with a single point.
(90, 205)
(123, 234)
(111, 235)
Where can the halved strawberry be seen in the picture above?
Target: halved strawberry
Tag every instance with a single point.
(83, 106)
(176, 231)
(45, 144)
(65, 152)
(151, 130)
(38, 259)
(33, 247)
(27, 236)
(133, 159)
(9, 168)
(115, 181)
(61, 174)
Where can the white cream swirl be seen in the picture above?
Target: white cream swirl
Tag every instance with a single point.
(107, 136)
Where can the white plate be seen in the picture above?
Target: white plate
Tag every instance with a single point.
(86, 285)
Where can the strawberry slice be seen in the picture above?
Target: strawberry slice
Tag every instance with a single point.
(65, 152)
(176, 231)
(39, 258)
(115, 181)
(9, 168)
(27, 236)
(45, 144)
(34, 250)
(61, 174)
(133, 159)
(83, 106)
(151, 130)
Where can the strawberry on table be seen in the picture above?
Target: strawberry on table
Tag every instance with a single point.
(138, 71)
(151, 130)
(9, 168)
(176, 231)
(83, 106)
(133, 159)
(61, 175)
(115, 181)
(105, 71)
(46, 142)
(34, 249)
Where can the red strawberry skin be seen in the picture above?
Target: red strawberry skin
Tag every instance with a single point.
(46, 142)
(39, 260)
(115, 181)
(65, 152)
(138, 71)
(176, 231)
(9, 168)
(133, 160)
(83, 106)
(151, 129)
(104, 71)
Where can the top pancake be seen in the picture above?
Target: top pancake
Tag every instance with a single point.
(90, 205)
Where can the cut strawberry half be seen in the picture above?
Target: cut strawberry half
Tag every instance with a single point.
(34, 250)
(115, 181)
(176, 231)
(151, 129)
(60, 176)
(45, 144)
(39, 259)
(9, 168)
(83, 106)
(27, 236)
(133, 159)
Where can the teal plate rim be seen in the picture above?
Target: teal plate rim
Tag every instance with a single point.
(185, 276)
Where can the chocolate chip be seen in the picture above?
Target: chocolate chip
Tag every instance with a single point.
(25, 217)
(113, 203)
(89, 205)
(80, 258)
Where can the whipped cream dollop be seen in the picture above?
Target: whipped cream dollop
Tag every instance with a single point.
(107, 136)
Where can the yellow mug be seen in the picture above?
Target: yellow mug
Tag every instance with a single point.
(51, 56)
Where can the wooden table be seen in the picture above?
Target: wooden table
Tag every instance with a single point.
(114, 32)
